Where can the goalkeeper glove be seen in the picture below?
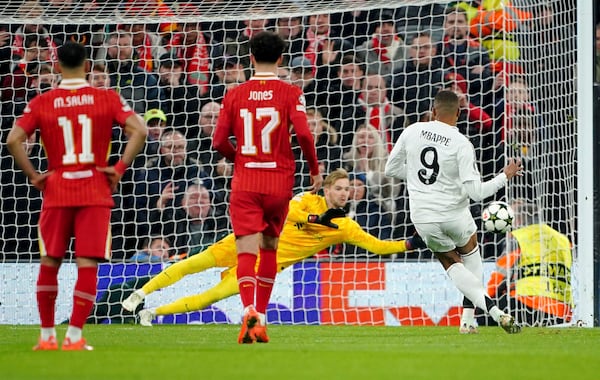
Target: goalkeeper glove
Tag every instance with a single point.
(325, 218)
(415, 242)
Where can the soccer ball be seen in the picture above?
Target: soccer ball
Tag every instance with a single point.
(497, 217)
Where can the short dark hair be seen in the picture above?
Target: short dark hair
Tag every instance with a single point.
(446, 102)
(71, 55)
(266, 47)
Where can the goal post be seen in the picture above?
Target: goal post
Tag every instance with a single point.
(368, 70)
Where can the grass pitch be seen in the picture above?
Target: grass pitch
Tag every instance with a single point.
(127, 352)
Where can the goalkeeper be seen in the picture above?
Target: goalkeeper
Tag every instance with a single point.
(313, 223)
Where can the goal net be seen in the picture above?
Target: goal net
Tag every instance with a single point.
(368, 69)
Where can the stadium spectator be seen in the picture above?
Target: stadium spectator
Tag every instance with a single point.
(342, 90)
(147, 44)
(303, 76)
(323, 48)
(414, 87)
(373, 108)
(446, 172)
(228, 73)
(14, 87)
(98, 76)
(20, 204)
(464, 55)
(414, 19)
(212, 162)
(291, 29)
(368, 155)
(162, 182)
(538, 291)
(474, 123)
(329, 152)
(368, 213)
(181, 101)
(85, 203)
(353, 26)
(292, 249)
(239, 45)
(263, 173)
(32, 9)
(42, 79)
(156, 249)
(283, 73)
(135, 85)
(195, 50)
(385, 52)
(194, 225)
(156, 122)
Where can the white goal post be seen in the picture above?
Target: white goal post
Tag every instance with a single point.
(368, 68)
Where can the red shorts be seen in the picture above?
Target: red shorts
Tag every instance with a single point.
(254, 212)
(89, 225)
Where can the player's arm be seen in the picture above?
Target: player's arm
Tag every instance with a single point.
(307, 208)
(360, 238)
(471, 179)
(15, 143)
(306, 140)
(136, 132)
(395, 167)
(221, 142)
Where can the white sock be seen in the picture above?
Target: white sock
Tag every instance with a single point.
(47, 333)
(468, 316)
(73, 333)
(468, 284)
(141, 293)
(495, 313)
(248, 308)
(472, 261)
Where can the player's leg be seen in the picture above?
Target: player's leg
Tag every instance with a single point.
(442, 238)
(171, 275)
(248, 223)
(276, 210)
(472, 261)
(54, 233)
(225, 288)
(92, 243)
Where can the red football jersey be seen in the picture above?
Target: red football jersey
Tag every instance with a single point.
(75, 123)
(261, 113)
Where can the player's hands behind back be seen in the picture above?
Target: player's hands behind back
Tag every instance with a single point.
(325, 218)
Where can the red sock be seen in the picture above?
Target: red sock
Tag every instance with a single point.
(267, 270)
(46, 292)
(84, 295)
(246, 277)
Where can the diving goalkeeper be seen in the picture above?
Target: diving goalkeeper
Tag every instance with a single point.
(314, 222)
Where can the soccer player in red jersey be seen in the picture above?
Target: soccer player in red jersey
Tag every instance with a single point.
(261, 113)
(75, 123)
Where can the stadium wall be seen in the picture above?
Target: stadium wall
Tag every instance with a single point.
(390, 294)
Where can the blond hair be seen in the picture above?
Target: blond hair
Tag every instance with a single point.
(334, 176)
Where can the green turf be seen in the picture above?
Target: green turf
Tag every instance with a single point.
(127, 352)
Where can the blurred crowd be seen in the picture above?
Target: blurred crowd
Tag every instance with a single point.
(366, 75)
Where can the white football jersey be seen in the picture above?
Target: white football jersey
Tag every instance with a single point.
(435, 159)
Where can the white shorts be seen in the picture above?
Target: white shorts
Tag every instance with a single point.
(446, 236)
